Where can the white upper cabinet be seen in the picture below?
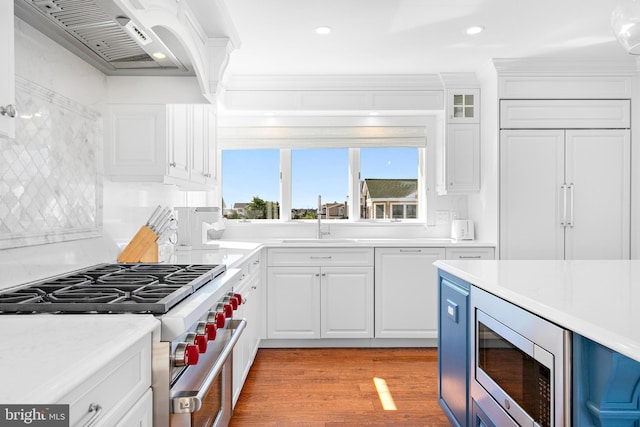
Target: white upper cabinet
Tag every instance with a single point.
(7, 74)
(459, 157)
(565, 114)
(463, 105)
(173, 144)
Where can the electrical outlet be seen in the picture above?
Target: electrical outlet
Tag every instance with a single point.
(442, 217)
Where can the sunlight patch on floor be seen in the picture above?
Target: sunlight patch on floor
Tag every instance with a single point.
(384, 394)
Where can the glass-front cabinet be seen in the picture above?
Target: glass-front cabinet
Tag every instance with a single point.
(463, 105)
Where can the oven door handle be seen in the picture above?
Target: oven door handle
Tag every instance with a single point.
(189, 401)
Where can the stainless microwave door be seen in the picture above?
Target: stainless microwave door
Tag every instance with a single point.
(507, 346)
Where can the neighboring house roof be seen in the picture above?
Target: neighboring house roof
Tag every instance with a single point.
(391, 188)
(240, 205)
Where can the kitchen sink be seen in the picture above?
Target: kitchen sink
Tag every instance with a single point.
(326, 241)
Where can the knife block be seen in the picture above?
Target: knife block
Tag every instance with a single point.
(142, 248)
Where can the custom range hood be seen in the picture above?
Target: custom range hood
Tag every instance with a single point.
(106, 35)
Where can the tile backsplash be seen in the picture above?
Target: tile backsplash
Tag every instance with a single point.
(50, 180)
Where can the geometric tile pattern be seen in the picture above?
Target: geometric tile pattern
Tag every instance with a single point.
(50, 188)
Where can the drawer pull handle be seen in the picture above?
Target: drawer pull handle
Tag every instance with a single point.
(320, 257)
(411, 250)
(470, 256)
(96, 409)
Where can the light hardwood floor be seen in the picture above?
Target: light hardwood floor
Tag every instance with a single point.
(335, 388)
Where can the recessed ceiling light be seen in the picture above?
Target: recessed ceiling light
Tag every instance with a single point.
(323, 30)
(476, 29)
(159, 55)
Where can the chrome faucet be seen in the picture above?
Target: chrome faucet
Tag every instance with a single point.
(319, 232)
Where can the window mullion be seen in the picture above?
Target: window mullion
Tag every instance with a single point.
(285, 184)
(354, 184)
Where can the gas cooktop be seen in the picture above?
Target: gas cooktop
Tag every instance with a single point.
(111, 288)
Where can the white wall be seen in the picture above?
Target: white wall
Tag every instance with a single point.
(44, 63)
(483, 206)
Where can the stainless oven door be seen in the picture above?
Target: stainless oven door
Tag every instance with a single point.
(515, 371)
(202, 395)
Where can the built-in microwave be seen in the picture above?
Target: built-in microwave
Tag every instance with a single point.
(522, 362)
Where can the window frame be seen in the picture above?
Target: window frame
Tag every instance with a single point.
(427, 159)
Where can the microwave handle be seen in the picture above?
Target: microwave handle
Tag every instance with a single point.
(191, 400)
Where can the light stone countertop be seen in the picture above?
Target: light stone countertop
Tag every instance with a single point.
(596, 299)
(44, 357)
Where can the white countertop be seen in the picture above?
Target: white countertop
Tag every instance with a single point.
(596, 299)
(44, 357)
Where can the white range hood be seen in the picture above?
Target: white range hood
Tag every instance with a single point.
(141, 37)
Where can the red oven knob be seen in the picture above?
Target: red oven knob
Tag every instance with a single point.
(228, 310)
(198, 339)
(239, 297)
(201, 342)
(211, 330)
(185, 355)
(221, 319)
(233, 302)
(216, 318)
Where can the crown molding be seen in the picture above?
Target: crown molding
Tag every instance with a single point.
(334, 82)
(566, 66)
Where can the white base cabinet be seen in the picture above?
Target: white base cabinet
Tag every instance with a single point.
(323, 293)
(119, 389)
(406, 292)
(244, 353)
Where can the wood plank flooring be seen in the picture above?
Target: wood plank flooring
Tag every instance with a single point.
(335, 388)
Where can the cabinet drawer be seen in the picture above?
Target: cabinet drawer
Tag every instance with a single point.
(254, 263)
(116, 387)
(321, 256)
(565, 114)
(470, 253)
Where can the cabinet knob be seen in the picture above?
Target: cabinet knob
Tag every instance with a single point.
(172, 164)
(9, 111)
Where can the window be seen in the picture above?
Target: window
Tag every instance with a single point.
(387, 188)
(389, 182)
(319, 172)
(399, 211)
(251, 184)
(361, 172)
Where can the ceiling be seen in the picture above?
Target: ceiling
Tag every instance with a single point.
(414, 36)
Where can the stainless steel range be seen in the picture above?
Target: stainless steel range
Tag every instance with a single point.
(192, 360)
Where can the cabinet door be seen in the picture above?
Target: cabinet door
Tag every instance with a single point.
(7, 74)
(293, 302)
(463, 158)
(406, 292)
(598, 174)
(531, 197)
(179, 137)
(346, 302)
(135, 142)
(140, 415)
(463, 105)
(198, 163)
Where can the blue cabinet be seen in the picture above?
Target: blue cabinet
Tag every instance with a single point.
(453, 348)
(606, 386)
